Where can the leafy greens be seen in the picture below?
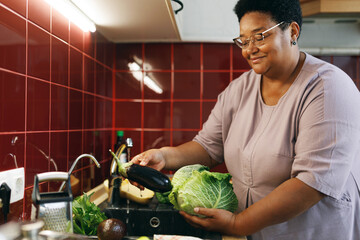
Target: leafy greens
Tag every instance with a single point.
(195, 186)
(86, 216)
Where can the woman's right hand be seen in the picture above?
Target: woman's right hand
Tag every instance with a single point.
(153, 158)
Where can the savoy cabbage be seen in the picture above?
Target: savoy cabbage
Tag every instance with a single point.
(195, 186)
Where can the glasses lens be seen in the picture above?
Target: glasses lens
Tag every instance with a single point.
(244, 43)
(258, 37)
(238, 42)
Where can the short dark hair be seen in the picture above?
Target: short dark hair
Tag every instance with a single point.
(280, 10)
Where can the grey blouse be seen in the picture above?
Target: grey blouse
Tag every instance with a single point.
(312, 133)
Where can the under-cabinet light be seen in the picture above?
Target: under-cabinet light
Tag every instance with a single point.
(73, 13)
(138, 75)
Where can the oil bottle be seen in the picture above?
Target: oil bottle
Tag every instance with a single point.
(120, 141)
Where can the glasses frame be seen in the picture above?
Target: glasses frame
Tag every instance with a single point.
(252, 39)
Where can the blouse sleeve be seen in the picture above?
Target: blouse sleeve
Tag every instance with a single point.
(328, 137)
(210, 137)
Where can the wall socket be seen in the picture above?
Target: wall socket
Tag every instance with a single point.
(15, 179)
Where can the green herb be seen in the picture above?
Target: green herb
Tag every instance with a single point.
(163, 197)
(86, 216)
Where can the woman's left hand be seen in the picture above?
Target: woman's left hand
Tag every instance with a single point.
(216, 220)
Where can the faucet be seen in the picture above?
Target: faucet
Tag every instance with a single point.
(115, 183)
(128, 145)
(76, 161)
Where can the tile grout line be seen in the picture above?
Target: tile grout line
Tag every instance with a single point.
(68, 92)
(113, 132)
(172, 87)
(142, 98)
(201, 83)
(26, 102)
(50, 95)
(82, 106)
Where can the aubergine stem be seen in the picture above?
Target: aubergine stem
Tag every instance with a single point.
(122, 166)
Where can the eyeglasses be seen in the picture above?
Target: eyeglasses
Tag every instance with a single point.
(257, 39)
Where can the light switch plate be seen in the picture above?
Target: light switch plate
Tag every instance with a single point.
(15, 179)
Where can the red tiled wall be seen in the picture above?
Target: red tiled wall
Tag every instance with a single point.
(58, 86)
(56, 99)
(191, 76)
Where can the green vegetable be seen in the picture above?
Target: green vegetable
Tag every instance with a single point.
(162, 197)
(179, 179)
(195, 186)
(86, 216)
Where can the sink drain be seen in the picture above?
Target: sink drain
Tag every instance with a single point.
(154, 222)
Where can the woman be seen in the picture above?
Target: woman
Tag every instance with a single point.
(289, 133)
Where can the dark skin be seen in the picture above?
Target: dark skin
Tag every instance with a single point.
(288, 200)
(279, 62)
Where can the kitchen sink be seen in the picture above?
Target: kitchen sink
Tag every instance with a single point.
(153, 218)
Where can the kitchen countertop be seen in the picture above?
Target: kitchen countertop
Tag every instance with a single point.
(233, 238)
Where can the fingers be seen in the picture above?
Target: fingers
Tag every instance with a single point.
(190, 219)
(214, 219)
(141, 187)
(152, 158)
(208, 212)
(141, 159)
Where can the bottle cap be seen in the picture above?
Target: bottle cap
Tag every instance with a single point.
(120, 133)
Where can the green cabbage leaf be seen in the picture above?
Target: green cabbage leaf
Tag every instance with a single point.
(180, 177)
(195, 186)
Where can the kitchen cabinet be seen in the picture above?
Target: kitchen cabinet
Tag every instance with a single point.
(328, 7)
(132, 21)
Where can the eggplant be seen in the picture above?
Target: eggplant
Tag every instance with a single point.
(146, 176)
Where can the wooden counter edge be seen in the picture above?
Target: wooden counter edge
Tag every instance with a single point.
(225, 237)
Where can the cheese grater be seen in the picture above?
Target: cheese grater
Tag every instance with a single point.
(53, 208)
